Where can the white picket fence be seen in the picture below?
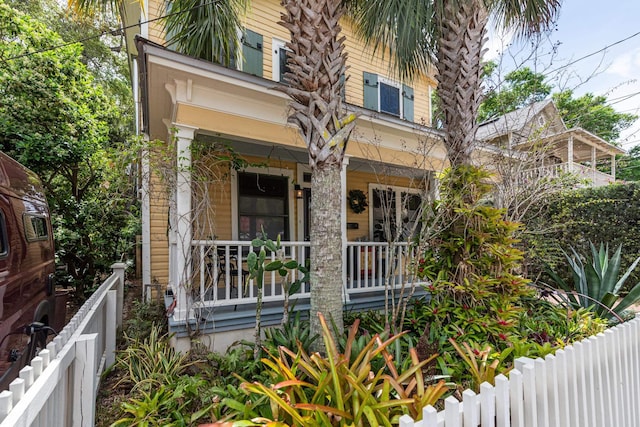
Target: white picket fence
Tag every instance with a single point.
(592, 383)
(60, 386)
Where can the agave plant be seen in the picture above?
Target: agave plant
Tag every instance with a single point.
(596, 284)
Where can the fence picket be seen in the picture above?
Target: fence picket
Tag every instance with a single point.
(516, 398)
(43, 394)
(503, 404)
(540, 375)
(470, 409)
(452, 412)
(552, 390)
(487, 405)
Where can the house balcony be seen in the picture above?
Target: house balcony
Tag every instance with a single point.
(594, 177)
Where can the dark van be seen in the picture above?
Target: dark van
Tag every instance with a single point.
(27, 268)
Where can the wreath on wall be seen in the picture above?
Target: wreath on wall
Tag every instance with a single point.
(357, 201)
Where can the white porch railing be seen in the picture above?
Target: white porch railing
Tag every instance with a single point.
(60, 386)
(220, 274)
(592, 383)
(597, 178)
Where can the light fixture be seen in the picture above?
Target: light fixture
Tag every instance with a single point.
(299, 192)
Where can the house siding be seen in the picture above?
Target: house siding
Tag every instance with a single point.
(263, 17)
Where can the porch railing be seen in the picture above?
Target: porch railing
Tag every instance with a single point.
(220, 274)
(597, 178)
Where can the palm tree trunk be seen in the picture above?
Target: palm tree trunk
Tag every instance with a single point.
(326, 247)
(461, 35)
(317, 61)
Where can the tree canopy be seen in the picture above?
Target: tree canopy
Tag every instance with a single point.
(56, 118)
(524, 86)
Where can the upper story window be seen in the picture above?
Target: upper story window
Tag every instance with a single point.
(387, 96)
(279, 58)
(252, 52)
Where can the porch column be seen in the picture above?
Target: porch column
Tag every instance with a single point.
(146, 223)
(570, 154)
(613, 166)
(182, 268)
(343, 224)
(593, 165)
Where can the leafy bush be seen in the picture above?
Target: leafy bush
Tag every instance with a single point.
(339, 390)
(575, 218)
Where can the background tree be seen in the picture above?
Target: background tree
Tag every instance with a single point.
(452, 32)
(55, 118)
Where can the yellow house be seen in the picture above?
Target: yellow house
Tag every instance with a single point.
(197, 226)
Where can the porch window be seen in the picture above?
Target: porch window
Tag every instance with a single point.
(262, 205)
(391, 223)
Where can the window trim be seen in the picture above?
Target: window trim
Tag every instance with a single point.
(276, 45)
(288, 173)
(398, 190)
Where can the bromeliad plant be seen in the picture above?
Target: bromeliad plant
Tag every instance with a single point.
(596, 284)
(341, 389)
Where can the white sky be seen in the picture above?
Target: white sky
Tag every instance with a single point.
(585, 27)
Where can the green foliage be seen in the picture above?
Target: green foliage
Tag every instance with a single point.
(597, 283)
(628, 166)
(58, 120)
(311, 390)
(205, 29)
(574, 218)
(592, 113)
(524, 86)
(171, 406)
(518, 89)
(293, 334)
(471, 263)
(147, 316)
(151, 362)
(481, 364)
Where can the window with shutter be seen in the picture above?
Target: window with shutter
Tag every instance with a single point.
(387, 96)
(252, 53)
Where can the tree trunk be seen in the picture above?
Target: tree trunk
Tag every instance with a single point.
(326, 248)
(459, 60)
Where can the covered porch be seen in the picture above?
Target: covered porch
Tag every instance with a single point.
(577, 152)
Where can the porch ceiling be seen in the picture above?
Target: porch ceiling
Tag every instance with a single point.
(583, 141)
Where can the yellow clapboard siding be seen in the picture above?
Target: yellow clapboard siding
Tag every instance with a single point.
(263, 16)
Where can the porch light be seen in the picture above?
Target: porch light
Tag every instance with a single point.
(299, 192)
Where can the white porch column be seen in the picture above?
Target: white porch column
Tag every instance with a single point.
(182, 268)
(570, 154)
(343, 224)
(613, 166)
(593, 164)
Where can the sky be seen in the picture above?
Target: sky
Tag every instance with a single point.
(586, 27)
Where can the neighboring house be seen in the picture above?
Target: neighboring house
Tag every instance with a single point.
(196, 237)
(552, 149)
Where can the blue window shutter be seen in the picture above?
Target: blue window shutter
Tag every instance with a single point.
(407, 102)
(252, 53)
(370, 91)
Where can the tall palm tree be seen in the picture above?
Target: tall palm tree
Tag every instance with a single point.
(316, 62)
(207, 29)
(451, 32)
